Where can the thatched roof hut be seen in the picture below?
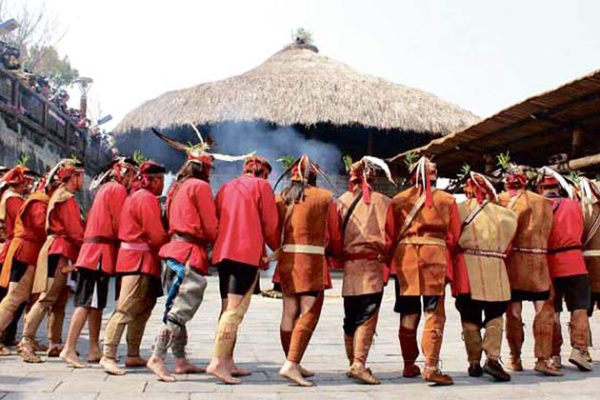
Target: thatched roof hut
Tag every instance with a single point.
(296, 94)
(299, 86)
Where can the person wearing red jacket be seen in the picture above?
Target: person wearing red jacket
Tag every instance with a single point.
(57, 256)
(568, 271)
(96, 262)
(141, 234)
(193, 224)
(248, 219)
(16, 184)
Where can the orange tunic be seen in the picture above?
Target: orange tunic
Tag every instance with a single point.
(9, 208)
(421, 254)
(309, 229)
(591, 248)
(528, 271)
(364, 244)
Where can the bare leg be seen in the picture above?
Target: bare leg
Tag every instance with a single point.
(69, 352)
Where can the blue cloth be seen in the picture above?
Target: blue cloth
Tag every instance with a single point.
(178, 269)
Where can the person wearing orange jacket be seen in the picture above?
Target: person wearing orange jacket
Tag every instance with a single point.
(141, 234)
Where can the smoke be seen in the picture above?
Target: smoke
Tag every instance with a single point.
(271, 142)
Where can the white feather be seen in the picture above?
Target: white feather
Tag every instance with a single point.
(561, 180)
(381, 164)
(228, 158)
(488, 184)
(99, 179)
(197, 132)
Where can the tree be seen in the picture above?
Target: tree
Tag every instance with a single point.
(47, 62)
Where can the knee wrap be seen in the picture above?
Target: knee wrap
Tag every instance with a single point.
(492, 341)
(304, 329)
(473, 342)
(363, 339)
(515, 335)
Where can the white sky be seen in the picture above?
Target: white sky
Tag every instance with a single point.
(482, 55)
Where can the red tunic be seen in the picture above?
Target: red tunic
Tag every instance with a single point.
(192, 224)
(100, 242)
(13, 204)
(64, 221)
(248, 219)
(141, 234)
(567, 230)
(33, 235)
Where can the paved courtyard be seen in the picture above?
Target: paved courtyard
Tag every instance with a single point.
(258, 348)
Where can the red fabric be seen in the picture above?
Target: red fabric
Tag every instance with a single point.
(192, 212)
(34, 235)
(65, 222)
(460, 277)
(248, 218)
(567, 230)
(103, 222)
(141, 223)
(13, 204)
(334, 243)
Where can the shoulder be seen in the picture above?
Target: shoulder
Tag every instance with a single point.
(111, 188)
(380, 198)
(319, 192)
(444, 197)
(405, 195)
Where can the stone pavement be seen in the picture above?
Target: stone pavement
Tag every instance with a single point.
(258, 348)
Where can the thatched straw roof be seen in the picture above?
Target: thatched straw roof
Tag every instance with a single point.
(299, 86)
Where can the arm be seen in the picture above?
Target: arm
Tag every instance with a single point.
(150, 217)
(208, 213)
(390, 232)
(454, 231)
(269, 216)
(115, 206)
(335, 243)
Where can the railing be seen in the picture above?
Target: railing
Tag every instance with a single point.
(21, 104)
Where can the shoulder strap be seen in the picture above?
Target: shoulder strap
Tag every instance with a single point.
(469, 218)
(560, 199)
(412, 214)
(513, 201)
(350, 211)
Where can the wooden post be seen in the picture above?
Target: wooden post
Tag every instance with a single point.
(580, 163)
(490, 163)
(577, 141)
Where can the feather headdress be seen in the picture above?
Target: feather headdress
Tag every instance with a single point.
(549, 177)
(364, 171)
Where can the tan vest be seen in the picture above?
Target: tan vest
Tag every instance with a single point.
(591, 250)
(364, 235)
(492, 230)
(529, 271)
(301, 262)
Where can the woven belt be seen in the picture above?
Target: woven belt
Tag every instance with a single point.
(362, 256)
(138, 246)
(183, 237)
(563, 249)
(484, 253)
(591, 253)
(101, 240)
(424, 240)
(303, 248)
(530, 250)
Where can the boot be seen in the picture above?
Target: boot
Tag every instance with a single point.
(495, 370)
(473, 344)
(545, 367)
(578, 359)
(515, 336)
(435, 376)
(410, 351)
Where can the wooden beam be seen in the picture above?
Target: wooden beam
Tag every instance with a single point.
(580, 163)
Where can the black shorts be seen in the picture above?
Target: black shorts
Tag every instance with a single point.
(92, 289)
(53, 260)
(17, 270)
(594, 302)
(523, 295)
(235, 277)
(472, 310)
(359, 309)
(412, 304)
(575, 290)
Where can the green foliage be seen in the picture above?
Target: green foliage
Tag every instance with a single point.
(504, 160)
(23, 160)
(138, 157)
(302, 36)
(47, 62)
(574, 177)
(410, 158)
(464, 173)
(347, 159)
(286, 161)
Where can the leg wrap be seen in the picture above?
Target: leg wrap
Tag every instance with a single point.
(285, 338)
(43, 304)
(580, 329)
(303, 330)
(162, 342)
(113, 333)
(179, 341)
(363, 338)
(492, 341)
(543, 326)
(408, 345)
(515, 335)
(433, 333)
(136, 328)
(473, 342)
(228, 325)
(56, 317)
(557, 339)
(349, 346)
(17, 294)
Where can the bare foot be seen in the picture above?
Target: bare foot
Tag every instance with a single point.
(240, 372)
(111, 367)
(4, 351)
(94, 355)
(292, 372)
(222, 373)
(157, 365)
(135, 362)
(71, 358)
(306, 373)
(184, 366)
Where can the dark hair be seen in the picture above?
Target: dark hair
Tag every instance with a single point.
(193, 170)
(294, 193)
